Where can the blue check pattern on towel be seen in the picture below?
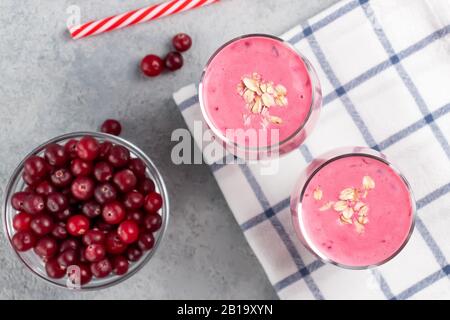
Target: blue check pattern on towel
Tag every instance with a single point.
(385, 73)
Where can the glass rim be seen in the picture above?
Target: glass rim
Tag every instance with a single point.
(277, 145)
(328, 158)
(155, 175)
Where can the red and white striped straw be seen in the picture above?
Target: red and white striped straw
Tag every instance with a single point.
(135, 17)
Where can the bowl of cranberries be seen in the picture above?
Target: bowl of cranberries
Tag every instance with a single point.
(85, 210)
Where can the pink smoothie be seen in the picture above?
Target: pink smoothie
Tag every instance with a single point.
(276, 63)
(388, 218)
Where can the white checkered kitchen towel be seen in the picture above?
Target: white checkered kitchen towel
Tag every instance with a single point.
(384, 67)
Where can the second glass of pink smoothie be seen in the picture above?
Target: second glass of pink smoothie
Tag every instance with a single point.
(260, 96)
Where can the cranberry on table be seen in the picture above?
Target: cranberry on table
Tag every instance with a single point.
(153, 202)
(18, 199)
(80, 167)
(34, 204)
(94, 236)
(173, 61)
(128, 231)
(125, 180)
(136, 215)
(35, 166)
(146, 241)
(54, 270)
(94, 252)
(46, 247)
(113, 212)
(105, 148)
(56, 202)
(88, 148)
(120, 265)
(67, 258)
(83, 188)
(152, 222)
(113, 243)
(59, 231)
(133, 200)
(42, 224)
(111, 126)
(102, 268)
(118, 156)
(182, 42)
(45, 188)
(79, 274)
(23, 240)
(78, 225)
(138, 167)
(146, 186)
(55, 155)
(22, 221)
(67, 244)
(91, 209)
(105, 192)
(103, 171)
(61, 178)
(133, 253)
(71, 148)
(152, 65)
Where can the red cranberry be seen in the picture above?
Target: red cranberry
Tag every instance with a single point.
(46, 248)
(34, 204)
(133, 200)
(146, 241)
(42, 225)
(152, 222)
(128, 231)
(35, 167)
(79, 274)
(30, 180)
(133, 253)
(125, 180)
(105, 148)
(57, 202)
(182, 42)
(91, 209)
(55, 155)
(18, 199)
(105, 192)
(153, 202)
(119, 156)
(54, 270)
(64, 215)
(173, 61)
(94, 252)
(23, 240)
(138, 167)
(120, 265)
(101, 268)
(103, 171)
(60, 231)
(113, 212)
(22, 221)
(77, 225)
(68, 244)
(83, 188)
(113, 244)
(111, 126)
(71, 148)
(146, 186)
(103, 226)
(136, 215)
(67, 258)
(80, 167)
(61, 178)
(88, 148)
(45, 188)
(94, 236)
(152, 65)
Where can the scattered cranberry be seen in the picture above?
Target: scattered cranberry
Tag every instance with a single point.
(113, 212)
(46, 248)
(113, 244)
(103, 171)
(125, 180)
(55, 155)
(105, 148)
(68, 244)
(35, 166)
(45, 188)
(128, 231)
(59, 231)
(54, 270)
(42, 225)
(18, 199)
(136, 215)
(79, 274)
(119, 156)
(91, 209)
(111, 126)
(152, 65)
(105, 192)
(152, 222)
(23, 240)
(78, 225)
(94, 252)
(88, 148)
(153, 202)
(67, 258)
(71, 148)
(22, 221)
(101, 268)
(146, 186)
(133, 200)
(146, 241)
(173, 61)
(61, 178)
(133, 253)
(80, 167)
(57, 202)
(182, 42)
(120, 265)
(138, 167)
(94, 236)
(83, 188)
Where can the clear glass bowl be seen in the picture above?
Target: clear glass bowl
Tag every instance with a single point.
(33, 262)
(306, 176)
(283, 147)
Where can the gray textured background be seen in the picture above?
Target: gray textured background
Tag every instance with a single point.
(51, 85)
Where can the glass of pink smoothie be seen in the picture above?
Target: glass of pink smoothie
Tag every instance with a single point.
(353, 208)
(259, 96)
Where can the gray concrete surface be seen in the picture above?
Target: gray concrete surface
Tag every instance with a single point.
(51, 85)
